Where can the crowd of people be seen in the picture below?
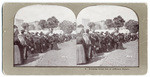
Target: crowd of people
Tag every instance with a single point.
(26, 43)
(90, 44)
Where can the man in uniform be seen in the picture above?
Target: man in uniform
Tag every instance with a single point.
(37, 43)
(29, 43)
(42, 42)
(93, 44)
(120, 42)
(108, 41)
(115, 40)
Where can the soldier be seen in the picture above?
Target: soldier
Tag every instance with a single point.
(32, 41)
(42, 42)
(129, 37)
(125, 38)
(55, 41)
(108, 41)
(115, 41)
(99, 42)
(50, 39)
(37, 43)
(47, 42)
(104, 43)
(120, 42)
(29, 42)
(93, 45)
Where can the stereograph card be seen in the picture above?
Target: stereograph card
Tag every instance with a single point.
(74, 38)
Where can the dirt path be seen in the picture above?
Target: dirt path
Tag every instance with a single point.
(66, 56)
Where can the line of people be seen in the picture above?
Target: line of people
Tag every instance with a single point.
(31, 43)
(90, 44)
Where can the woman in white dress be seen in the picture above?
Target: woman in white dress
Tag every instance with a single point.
(17, 53)
(80, 53)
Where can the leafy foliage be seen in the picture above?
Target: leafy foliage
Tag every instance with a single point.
(91, 25)
(67, 26)
(118, 21)
(109, 23)
(132, 26)
(52, 22)
(43, 24)
(25, 26)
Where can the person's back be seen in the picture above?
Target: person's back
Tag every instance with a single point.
(22, 39)
(86, 38)
(79, 39)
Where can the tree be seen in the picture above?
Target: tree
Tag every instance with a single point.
(67, 26)
(80, 26)
(119, 22)
(25, 26)
(109, 23)
(43, 24)
(91, 25)
(52, 23)
(132, 26)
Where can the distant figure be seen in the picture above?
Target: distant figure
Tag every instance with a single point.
(120, 42)
(55, 42)
(37, 43)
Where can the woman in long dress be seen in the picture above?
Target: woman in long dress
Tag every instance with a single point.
(81, 57)
(17, 52)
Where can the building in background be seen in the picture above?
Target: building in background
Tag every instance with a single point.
(100, 25)
(18, 23)
(85, 22)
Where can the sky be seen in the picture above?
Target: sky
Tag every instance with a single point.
(103, 12)
(93, 13)
(38, 12)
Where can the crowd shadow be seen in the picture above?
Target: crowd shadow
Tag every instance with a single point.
(31, 58)
(35, 56)
(98, 57)
(101, 56)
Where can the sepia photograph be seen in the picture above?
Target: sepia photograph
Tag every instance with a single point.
(44, 35)
(107, 35)
(52, 35)
(70, 38)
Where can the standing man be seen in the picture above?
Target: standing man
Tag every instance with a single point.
(86, 37)
(23, 45)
